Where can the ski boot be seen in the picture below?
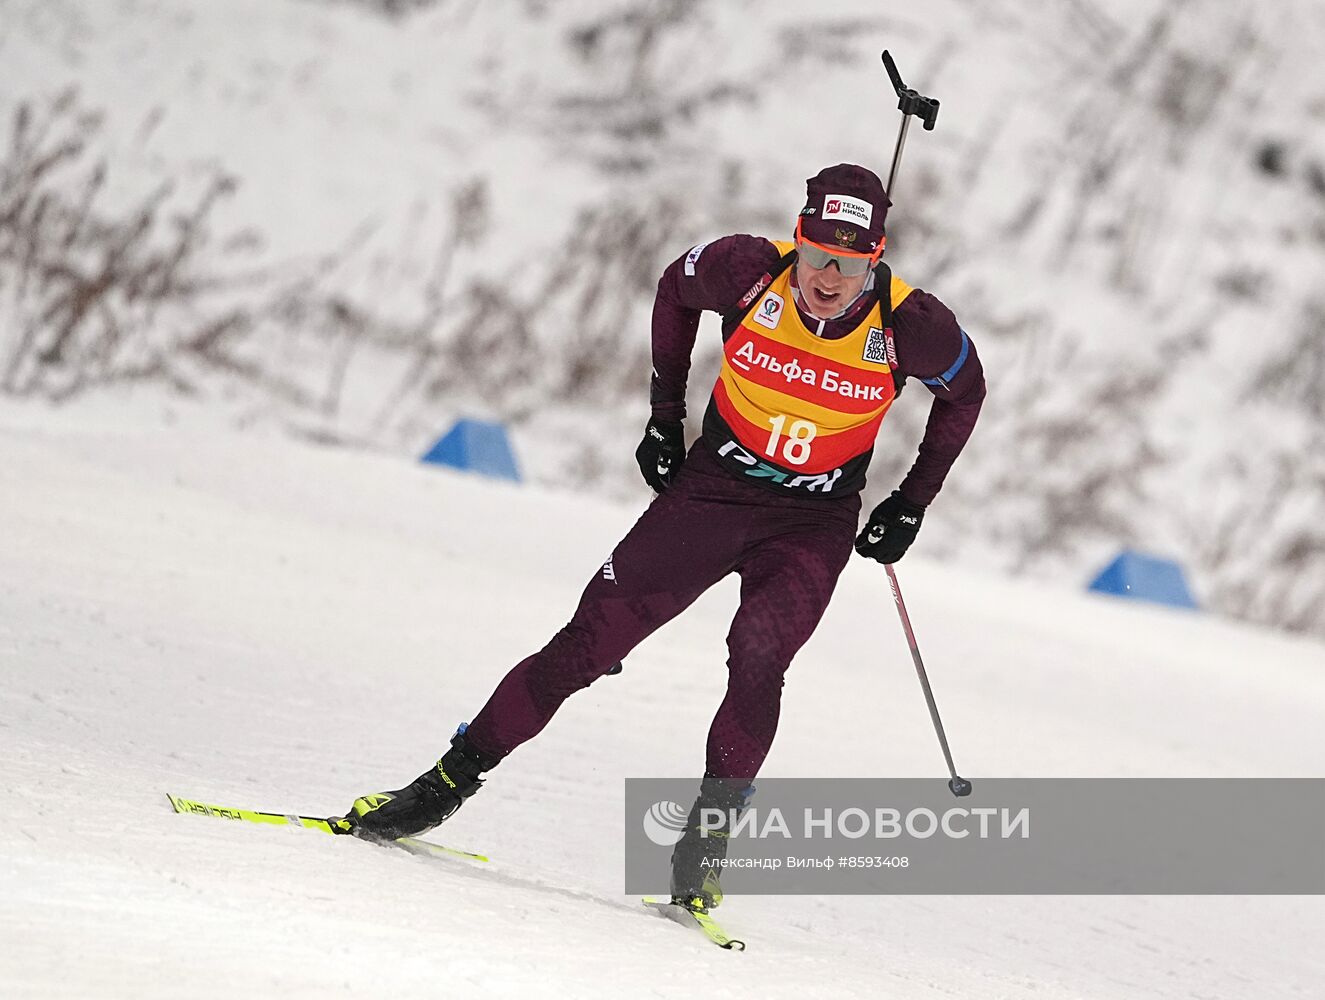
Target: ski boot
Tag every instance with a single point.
(698, 855)
(426, 801)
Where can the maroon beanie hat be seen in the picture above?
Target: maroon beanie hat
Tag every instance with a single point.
(845, 207)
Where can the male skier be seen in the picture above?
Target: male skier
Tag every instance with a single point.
(818, 338)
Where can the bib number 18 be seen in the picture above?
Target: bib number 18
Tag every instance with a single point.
(798, 437)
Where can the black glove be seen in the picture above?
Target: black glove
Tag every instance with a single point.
(661, 452)
(892, 527)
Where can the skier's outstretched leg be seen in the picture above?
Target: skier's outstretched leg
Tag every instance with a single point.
(687, 540)
(676, 551)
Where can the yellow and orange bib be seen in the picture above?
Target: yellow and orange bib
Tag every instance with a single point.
(796, 412)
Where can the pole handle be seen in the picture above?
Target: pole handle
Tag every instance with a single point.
(911, 102)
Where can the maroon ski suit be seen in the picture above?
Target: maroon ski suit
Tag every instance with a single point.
(787, 548)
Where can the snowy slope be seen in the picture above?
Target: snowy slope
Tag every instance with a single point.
(259, 622)
(466, 210)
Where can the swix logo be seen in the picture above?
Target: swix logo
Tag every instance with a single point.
(770, 311)
(755, 290)
(609, 571)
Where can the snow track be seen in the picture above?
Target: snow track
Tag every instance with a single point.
(273, 625)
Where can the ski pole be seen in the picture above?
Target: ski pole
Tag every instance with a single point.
(958, 786)
(909, 102)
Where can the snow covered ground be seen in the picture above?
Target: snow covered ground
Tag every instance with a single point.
(258, 622)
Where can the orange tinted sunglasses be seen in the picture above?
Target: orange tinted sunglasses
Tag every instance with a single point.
(850, 262)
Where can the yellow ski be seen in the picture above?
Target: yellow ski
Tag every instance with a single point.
(332, 824)
(691, 917)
